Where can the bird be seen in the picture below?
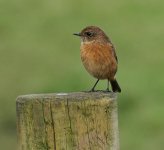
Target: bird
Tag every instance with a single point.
(98, 56)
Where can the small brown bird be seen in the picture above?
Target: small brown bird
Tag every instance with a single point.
(98, 56)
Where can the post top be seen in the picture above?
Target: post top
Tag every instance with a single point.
(71, 96)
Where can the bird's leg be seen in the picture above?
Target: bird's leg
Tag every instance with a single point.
(93, 89)
(107, 90)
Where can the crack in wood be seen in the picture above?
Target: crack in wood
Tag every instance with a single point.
(69, 117)
(53, 125)
(86, 123)
(46, 146)
(70, 123)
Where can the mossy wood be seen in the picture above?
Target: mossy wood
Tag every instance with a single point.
(67, 121)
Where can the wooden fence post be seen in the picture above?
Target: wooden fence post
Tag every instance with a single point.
(68, 121)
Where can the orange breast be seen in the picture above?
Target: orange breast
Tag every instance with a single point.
(98, 59)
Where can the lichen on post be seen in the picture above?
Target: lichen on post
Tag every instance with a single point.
(68, 121)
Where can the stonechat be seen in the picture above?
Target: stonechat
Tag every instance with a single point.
(98, 56)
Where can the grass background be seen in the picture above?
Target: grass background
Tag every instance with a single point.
(38, 54)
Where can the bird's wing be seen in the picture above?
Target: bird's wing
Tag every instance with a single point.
(113, 50)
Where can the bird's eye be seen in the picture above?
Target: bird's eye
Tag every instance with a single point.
(89, 34)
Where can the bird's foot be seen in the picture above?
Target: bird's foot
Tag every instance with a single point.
(92, 90)
(107, 90)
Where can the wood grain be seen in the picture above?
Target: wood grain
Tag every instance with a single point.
(68, 121)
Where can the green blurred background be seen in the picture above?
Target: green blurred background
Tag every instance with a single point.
(39, 54)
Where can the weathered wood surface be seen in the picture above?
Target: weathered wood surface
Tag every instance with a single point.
(68, 121)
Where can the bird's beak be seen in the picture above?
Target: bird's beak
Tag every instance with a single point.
(77, 34)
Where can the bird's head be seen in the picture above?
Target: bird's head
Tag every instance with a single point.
(92, 33)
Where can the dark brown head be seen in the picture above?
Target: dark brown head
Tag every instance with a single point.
(92, 33)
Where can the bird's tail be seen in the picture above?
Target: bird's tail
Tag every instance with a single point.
(115, 86)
